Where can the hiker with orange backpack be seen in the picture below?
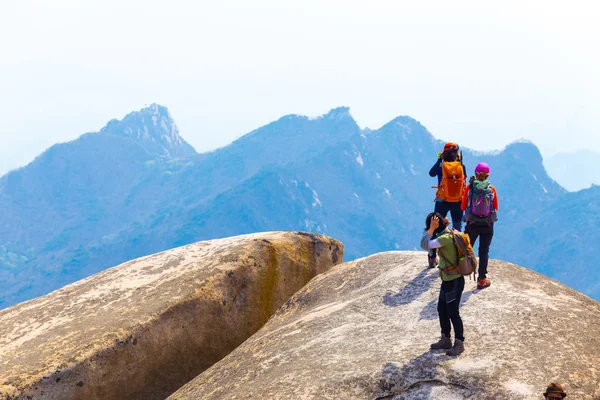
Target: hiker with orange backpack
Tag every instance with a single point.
(451, 174)
(480, 203)
(439, 235)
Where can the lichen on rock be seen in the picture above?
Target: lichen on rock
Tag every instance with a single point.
(144, 328)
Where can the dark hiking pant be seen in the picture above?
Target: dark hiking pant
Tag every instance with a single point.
(456, 214)
(485, 233)
(448, 304)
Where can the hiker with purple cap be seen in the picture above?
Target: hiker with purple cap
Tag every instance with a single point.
(480, 204)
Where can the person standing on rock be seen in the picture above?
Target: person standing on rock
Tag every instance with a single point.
(554, 391)
(480, 203)
(451, 175)
(453, 283)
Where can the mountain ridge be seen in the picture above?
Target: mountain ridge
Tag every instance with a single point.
(370, 188)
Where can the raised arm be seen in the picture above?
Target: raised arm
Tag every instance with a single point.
(436, 168)
(427, 243)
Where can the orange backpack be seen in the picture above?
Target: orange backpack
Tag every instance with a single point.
(452, 186)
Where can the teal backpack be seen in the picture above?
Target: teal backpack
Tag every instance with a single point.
(480, 207)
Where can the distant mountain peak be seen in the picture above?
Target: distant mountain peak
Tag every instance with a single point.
(339, 113)
(404, 122)
(407, 129)
(525, 149)
(154, 128)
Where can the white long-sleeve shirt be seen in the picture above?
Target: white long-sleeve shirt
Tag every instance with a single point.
(427, 243)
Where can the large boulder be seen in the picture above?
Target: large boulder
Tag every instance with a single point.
(362, 331)
(144, 328)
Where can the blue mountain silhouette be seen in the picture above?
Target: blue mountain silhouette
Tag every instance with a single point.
(136, 188)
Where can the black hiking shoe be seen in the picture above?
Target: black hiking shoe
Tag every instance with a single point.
(433, 262)
(443, 344)
(457, 349)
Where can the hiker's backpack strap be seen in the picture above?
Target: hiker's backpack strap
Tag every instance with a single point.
(444, 257)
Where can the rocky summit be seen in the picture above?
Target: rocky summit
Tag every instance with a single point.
(153, 128)
(144, 328)
(362, 330)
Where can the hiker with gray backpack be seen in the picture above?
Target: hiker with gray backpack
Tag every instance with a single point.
(480, 204)
(456, 260)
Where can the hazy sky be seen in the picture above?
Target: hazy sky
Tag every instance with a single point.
(480, 73)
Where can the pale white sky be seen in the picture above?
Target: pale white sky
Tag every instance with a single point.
(476, 72)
